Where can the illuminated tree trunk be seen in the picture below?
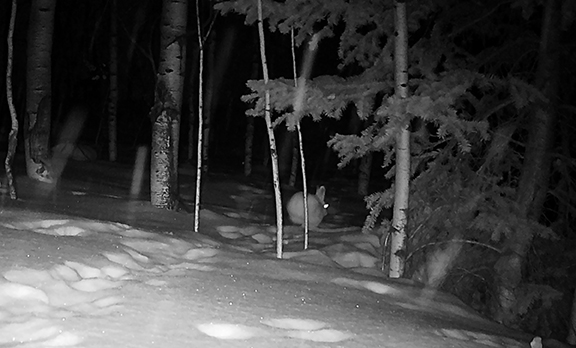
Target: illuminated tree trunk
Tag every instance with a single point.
(208, 96)
(534, 178)
(167, 105)
(13, 136)
(402, 177)
(199, 145)
(271, 138)
(300, 86)
(192, 110)
(39, 90)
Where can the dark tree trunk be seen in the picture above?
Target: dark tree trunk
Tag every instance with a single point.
(534, 179)
(113, 80)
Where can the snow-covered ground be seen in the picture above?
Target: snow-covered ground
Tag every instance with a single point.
(83, 264)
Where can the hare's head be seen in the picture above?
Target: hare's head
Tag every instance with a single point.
(321, 195)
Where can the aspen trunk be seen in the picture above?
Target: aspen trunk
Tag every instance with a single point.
(402, 176)
(199, 144)
(13, 135)
(39, 90)
(167, 106)
(271, 138)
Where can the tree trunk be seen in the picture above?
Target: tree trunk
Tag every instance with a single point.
(286, 140)
(113, 80)
(167, 106)
(534, 178)
(192, 100)
(295, 157)
(39, 90)
(364, 174)
(248, 146)
(533, 184)
(200, 142)
(571, 338)
(13, 136)
(208, 101)
(402, 176)
(271, 138)
(300, 87)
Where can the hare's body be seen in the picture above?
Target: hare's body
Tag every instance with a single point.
(316, 208)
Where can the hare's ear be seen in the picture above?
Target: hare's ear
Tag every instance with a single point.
(321, 192)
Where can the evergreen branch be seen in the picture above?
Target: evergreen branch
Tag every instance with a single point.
(463, 241)
(473, 23)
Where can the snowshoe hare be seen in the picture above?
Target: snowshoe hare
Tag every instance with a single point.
(316, 208)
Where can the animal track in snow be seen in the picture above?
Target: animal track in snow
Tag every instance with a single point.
(305, 329)
(38, 307)
(34, 303)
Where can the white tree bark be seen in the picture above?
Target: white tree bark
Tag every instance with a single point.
(39, 90)
(208, 96)
(271, 138)
(300, 86)
(199, 143)
(167, 105)
(13, 136)
(402, 177)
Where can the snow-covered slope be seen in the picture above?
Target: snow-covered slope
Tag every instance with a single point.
(138, 277)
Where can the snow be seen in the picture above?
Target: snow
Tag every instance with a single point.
(83, 265)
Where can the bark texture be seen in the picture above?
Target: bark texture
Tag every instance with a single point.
(402, 175)
(165, 113)
(39, 90)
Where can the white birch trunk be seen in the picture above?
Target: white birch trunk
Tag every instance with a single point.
(402, 178)
(167, 106)
(13, 136)
(39, 90)
(192, 107)
(199, 143)
(304, 188)
(298, 107)
(208, 96)
(271, 138)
